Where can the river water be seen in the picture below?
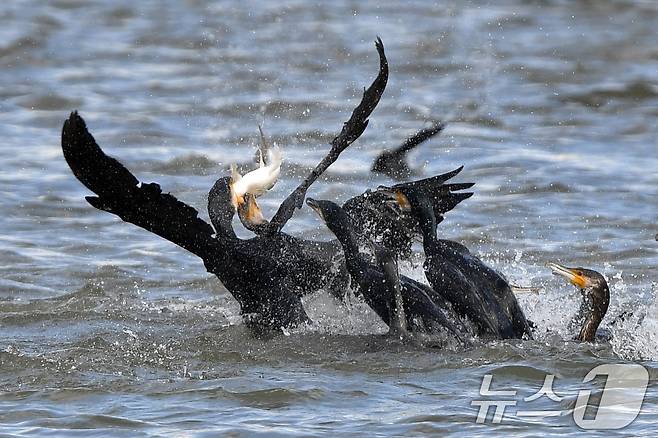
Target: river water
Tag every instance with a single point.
(107, 329)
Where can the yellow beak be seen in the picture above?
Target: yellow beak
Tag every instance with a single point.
(576, 278)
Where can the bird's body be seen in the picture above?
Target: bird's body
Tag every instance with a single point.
(422, 313)
(476, 291)
(393, 163)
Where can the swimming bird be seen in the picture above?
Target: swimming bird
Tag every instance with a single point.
(267, 274)
(476, 291)
(379, 286)
(393, 163)
(595, 298)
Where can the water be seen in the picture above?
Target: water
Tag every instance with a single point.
(105, 328)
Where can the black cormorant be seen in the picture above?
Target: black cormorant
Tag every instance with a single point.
(378, 286)
(394, 229)
(267, 275)
(476, 291)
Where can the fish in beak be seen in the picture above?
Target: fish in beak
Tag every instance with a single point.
(250, 212)
(260, 180)
(237, 198)
(575, 276)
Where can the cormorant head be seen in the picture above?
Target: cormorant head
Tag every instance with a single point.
(331, 213)
(220, 193)
(250, 213)
(412, 200)
(220, 209)
(587, 280)
(595, 292)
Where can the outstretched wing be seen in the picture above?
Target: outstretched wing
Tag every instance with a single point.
(352, 129)
(444, 196)
(120, 193)
(393, 228)
(393, 162)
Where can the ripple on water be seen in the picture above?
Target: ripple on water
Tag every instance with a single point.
(107, 330)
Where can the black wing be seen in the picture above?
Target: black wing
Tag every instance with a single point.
(394, 229)
(443, 196)
(120, 193)
(352, 129)
(393, 162)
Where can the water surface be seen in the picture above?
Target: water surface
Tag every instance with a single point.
(105, 328)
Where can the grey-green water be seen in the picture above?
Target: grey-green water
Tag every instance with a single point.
(106, 329)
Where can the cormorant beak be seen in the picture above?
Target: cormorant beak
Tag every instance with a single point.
(396, 197)
(315, 206)
(250, 210)
(574, 275)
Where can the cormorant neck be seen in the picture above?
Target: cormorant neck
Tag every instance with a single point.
(221, 210)
(427, 223)
(342, 229)
(593, 311)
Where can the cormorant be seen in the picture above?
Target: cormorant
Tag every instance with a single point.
(393, 163)
(379, 284)
(596, 298)
(267, 274)
(475, 290)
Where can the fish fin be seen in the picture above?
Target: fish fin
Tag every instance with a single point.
(235, 175)
(263, 148)
(274, 157)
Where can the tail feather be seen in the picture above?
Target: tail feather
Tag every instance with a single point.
(444, 204)
(274, 158)
(444, 197)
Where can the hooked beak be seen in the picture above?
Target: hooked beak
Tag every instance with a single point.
(574, 275)
(396, 197)
(315, 206)
(250, 210)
